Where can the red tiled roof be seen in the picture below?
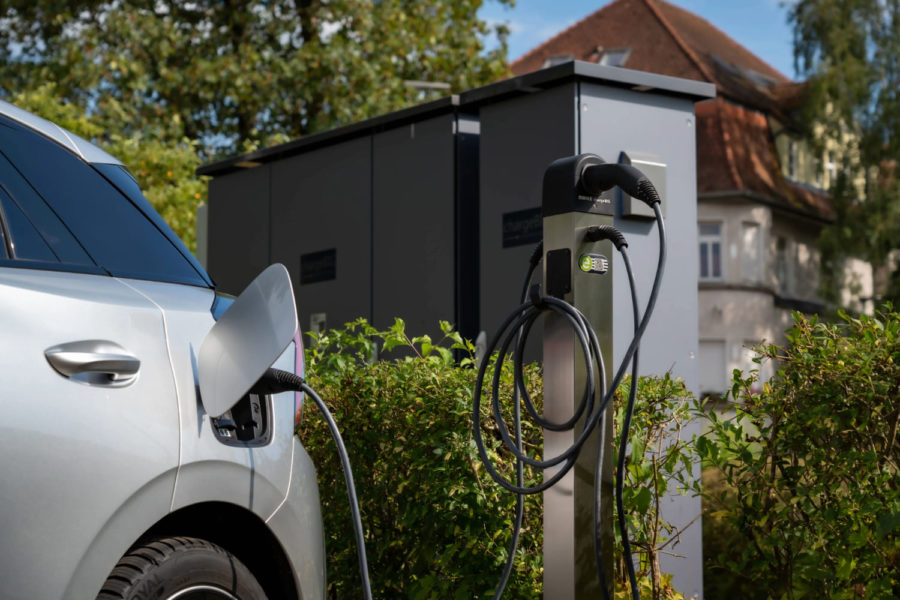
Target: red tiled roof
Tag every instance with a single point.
(665, 39)
(706, 39)
(651, 43)
(736, 152)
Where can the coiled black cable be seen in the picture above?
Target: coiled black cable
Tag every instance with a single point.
(517, 325)
(533, 262)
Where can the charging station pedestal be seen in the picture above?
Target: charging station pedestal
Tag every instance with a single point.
(570, 570)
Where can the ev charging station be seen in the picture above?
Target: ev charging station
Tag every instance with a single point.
(569, 569)
(431, 213)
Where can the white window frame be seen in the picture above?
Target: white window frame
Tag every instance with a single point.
(557, 59)
(713, 366)
(752, 272)
(831, 167)
(785, 266)
(793, 159)
(615, 57)
(710, 240)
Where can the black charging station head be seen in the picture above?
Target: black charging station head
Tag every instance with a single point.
(563, 191)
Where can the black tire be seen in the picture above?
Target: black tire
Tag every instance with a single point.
(180, 568)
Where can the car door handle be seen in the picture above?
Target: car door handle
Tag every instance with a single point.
(98, 362)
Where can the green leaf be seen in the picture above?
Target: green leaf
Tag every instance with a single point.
(642, 500)
(844, 568)
(888, 523)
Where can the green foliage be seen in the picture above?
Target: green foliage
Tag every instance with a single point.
(850, 50)
(722, 580)
(810, 464)
(437, 526)
(660, 463)
(164, 170)
(233, 75)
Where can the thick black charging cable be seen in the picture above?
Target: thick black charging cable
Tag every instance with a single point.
(275, 381)
(618, 240)
(520, 322)
(533, 262)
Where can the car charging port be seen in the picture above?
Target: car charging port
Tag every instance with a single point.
(247, 423)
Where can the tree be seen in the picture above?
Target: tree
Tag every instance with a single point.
(850, 50)
(234, 74)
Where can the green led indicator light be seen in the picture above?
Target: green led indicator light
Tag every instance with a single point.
(585, 263)
(593, 263)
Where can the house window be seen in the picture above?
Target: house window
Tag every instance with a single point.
(710, 238)
(557, 59)
(751, 253)
(784, 266)
(615, 57)
(793, 166)
(806, 259)
(830, 168)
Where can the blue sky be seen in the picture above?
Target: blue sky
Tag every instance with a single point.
(759, 25)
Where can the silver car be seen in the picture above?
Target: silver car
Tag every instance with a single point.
(116, 481)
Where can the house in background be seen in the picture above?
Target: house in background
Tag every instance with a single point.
(761, 199)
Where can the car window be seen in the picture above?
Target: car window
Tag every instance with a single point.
(24, 240)
(111, 229)
(4, 250)
(35, 232)
(125, 181)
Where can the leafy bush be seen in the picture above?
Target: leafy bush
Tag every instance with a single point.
(810, 464)
(436, 525)
(660, 463)
(721, 580)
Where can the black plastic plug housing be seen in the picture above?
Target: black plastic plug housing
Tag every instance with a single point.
(564, 191)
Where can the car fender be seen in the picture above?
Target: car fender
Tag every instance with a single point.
(297, 525)
(231, 482)
(145, 507)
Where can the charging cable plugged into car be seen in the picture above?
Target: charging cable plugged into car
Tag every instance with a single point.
(581, 180)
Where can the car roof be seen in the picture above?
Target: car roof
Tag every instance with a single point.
(79, 146)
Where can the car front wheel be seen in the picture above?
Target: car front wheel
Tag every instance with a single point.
(180, 568)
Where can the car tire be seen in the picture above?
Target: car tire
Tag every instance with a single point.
(180, 568)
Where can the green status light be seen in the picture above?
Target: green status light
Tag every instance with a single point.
(593, 263)
(586, 263)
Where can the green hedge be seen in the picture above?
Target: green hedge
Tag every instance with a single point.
(804, 494)
(437, 526)
(810, 500)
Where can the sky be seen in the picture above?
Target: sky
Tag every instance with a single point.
(758, 25)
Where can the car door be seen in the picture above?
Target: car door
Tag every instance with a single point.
(88, 410)
(78, 440)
